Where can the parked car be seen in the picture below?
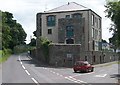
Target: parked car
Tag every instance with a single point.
(83, 66)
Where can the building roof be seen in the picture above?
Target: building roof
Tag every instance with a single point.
(71, 6)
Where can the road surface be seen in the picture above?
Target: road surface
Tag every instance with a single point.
(20, 69)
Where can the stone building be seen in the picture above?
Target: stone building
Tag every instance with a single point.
(76, 34)
(71, 23)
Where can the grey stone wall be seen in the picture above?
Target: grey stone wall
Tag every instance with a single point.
(78, 26)
(65, 55)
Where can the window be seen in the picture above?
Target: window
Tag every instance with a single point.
(86, 58)
(69, 41)
(77, 15)
(93, 20)
(49, 31)
(96, 22)
(69, 31)
(51, 20)
(94, 58)
(99, 23)
(67, 16)
(93, 32)
(96, 34)
(96, 45)
(93, 45)
(99, 35)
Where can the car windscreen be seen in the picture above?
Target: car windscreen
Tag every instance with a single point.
(81, 63)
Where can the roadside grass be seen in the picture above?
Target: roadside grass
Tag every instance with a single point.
(118, 62)
(0, 53)
(4, 55)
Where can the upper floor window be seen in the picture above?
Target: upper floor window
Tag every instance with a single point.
(67, 16)
(77, 15)
(69, 31)
(96, 22)
(93, 32)
(51, 20)
(99, 23)
(93, 20)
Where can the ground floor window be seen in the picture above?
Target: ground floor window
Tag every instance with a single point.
(69, 41)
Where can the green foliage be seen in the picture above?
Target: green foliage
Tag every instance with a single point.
(35, 33)
(33, 42)
(0, 30)
(5, 54)
(44, 44)
(104, 41)
(12, 32)
(21, 49)
(113, 12)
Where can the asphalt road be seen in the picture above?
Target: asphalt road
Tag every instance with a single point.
(22, 69)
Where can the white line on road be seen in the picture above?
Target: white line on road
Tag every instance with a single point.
(19, 59)
(74, 80)
(29, 57)
(34, 80)
(27, 72)
(21, 63)
(101, 75)
(69, 79)
(83, 74)
(23, 67)
(61, 75)
(53, 72)
(58, 74)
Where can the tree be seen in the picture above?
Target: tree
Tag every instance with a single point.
(34, 33)
(113, 12)
(33, 42)
(104, 41)
(12, 32)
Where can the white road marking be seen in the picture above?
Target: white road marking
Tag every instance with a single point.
(34, 80)
(27, 72)
(29, 57)
(21, 63)
(61, 75)
(53, 72)
(58, 74)
(79, 81)
(74, 80)
(19, 59)
(83, 74)
(69, 79)
(23, 67)
(101, 75)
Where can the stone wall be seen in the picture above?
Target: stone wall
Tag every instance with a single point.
(65, 55)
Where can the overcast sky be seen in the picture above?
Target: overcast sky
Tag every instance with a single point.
(24, 11)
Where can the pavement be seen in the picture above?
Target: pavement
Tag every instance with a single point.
(105, 64)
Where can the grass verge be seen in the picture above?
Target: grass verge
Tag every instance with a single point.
(4, 55)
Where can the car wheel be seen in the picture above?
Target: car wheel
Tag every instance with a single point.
(75, 71)
(92, 69)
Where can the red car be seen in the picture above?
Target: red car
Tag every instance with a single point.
(83, 66)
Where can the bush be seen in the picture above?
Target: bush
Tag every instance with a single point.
(5, 55)
(44, 44)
